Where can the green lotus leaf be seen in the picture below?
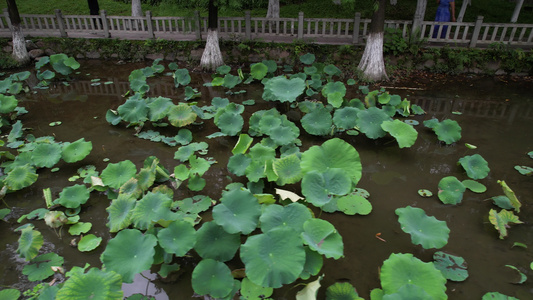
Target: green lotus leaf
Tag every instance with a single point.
(45, 75)
(73, 196)
(451, 190)
(258, 71)
(261, 153)
(129, 252)
(95, 284)
(401, 269)
(133, 110)
(282, 89)
(181, 115)
(310, 70)
(268, 122)
(46, 155)
(369, 122)
(30, 242)
(497, 296)
(284, 135)
(230, 81)
(120, 212)
(137, 81)
(55, 219)
(509, 193)
(199, 165)
(145, 178)
(452, 267)
(292, 216)
(251, 291)
(474, 186)
(229, 123)
(89, 242)
(334, 91)
(502, 202)
(425, 193)
(318, 122)
(15, 133)
(212, 241)
(178, 238)
(334, 153)
(408, 291)
(404, 133)
(63, 64)
(181, 77)
(354, 204)
(287, 169)
(152, 208)
(346, 117)
(184, 136)
(322, 237)
(238, 163)
(318, 187)
(448, 131)
(79, 228)
(211, 277)
(332, 70)
(313, 264)
(242, 145)
(20, 177)
(115, 175)
(112, 117)
(424, 230)
(307, 58)
(274, 258)
(476, 166)
(158, 108)
(7, 103)
(502, 220)
(342, 291)
(10, 294)
(524, 170)
(196, 183)
(271, 65)
(4, 212)
(195, 205)
(431, 123)
(238, 211)
(76, 151)
(40, 267)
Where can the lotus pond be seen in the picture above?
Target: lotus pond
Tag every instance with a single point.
(148, 180)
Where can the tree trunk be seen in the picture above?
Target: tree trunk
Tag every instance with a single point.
(419, 14)
(463, 10)
(20, 53)
(94, 8)
(212, 57)
(136, 9)
(273, 9)
(372, 63)
(516, 12)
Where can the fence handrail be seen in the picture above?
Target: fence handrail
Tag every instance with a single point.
(318, 30)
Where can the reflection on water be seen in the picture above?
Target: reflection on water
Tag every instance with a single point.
(495, 116)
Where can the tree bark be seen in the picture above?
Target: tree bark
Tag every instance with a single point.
(517, 9)
(372, 64)
(420, 14)
(20, 53)
(136, 9)
(273, 9)
(463, 10)
(212, 56)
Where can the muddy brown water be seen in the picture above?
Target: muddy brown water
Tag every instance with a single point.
(496, 116)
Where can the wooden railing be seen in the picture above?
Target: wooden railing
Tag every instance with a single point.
(316, 30)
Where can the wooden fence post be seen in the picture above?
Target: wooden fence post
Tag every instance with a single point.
(477, 30)
(60, 23)
(103, 18)
(198, 23)
(149, 24)
(301, 25)
(356, 22)
(248, 25)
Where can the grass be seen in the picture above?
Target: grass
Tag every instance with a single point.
(497, 11)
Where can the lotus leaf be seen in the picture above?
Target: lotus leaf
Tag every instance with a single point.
(76, 151)
(522, 276)
(181, 115)
(115, 175)
(310, 70)
(313, 264)
(274, 258)
(211, 277)
(14, 134)
(212, 241)
(196, 183)
(346, 117)
(318, 122)
(152, 208)
(238, 211)
(318, 187)
(524, 170)
(7, 104)
(404, 133)
(244, 142)
(20, 177)
(342, 291)
(261, 153)
(225, 69)
(322, 237)
(95, 284)
(89, 242)
(46, 155)
(158, 108)
(229, 123)
(497, 296)
(285, 134)
(307, 58)
(79, 228)
(258, 71)
(181, 77)
(431, 123)
(474, 186)
(129, 252)
(112, 117)
(288, 169)
(199, 165)
(10, 294)
(30, 242)
(369, 122)
(120, 212)
(451, 190)
(424, 230)
(178, 238)
(40, 267)
(251, 291)
(269, 121)
(133, 110)
(282, 89)
(146, 178)
(334, 91)
(502, 202)
(452, 267)
(238, 163)
(501, 220)
(73, 196)
(510, 195)
(310, 290)
(401, 269)
(448, 131)
(292, 216)
(138, 82)
(195, 205)
(425, 193)
(408, 291)
(354, 204)
(63, 64)
(332, 70)
(230, 81)
(334, 153)
(55, 219)
(476, 166)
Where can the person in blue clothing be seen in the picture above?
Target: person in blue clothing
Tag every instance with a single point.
(445, 13)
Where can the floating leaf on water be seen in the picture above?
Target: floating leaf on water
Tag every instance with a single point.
(100, 284)
(530, 153)
(10, 294)
(57, 123)
(178, 238)
(345, 118)
(501, 220)
(470, 146)
(40, 267)
(425, 193)
(517, 244)
(474, 186)
(292, 216)
(282, 89)
(451, 190)
(237, 212)
(73, 196)
(213, 278)
(89, 242)
(29, 243)
(248, 102)
(411, 122)
(115, 175)
(497, 296)
(404, 133)
(354, 204)
(369, 122)
(250, 290)
(502, 202)
(319, 187)
(361, 192)
(46, 155)
(457, 113)
(287, 169)
(524, 170)
(76, 151)
(424, 230)
(108, 82)
(342, 290)
(20, 177)
(350, 81)
(476, 166)
(511, 195)
(258, 70)
(452, 267)
(523, 276)
(79, 228)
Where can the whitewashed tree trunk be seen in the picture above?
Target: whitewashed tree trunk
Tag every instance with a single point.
(372, 63)
(20, 53)
(212, 56)
(420, 13)
(517, 9)
(463, 10)
(136, 9)
(273, 9)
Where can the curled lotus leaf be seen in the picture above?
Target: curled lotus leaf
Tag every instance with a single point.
(401, 269)
(502, 220)
(212, 241)
(369, 122)
(238, 211)
(318, 122)
(242, 145)
(273, 258)
(116, 174)
(313, 263)
(76, 151)
(181, 115)
(424, 230)
(30, 242)
(322, 237)
(95, 284)
(211, 277)
(46, 155)
(404, 133)
(282, 89)
(20, 177)
(451, 190)
(476, 166)
(134, 110)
